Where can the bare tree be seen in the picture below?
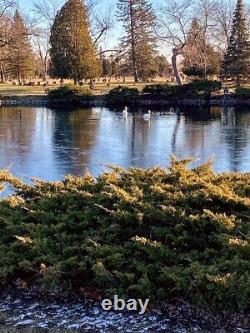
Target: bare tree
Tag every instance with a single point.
(44, 14)
(46, 10)
(222, 22)
(5, 7)
(206, 11)
(175, 21)
(174, 24)
(222, 19)
(100, 24)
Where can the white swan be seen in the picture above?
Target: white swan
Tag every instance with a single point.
(125, 111)
(147, 116)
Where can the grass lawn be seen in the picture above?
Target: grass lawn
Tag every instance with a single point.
(9, 90)
(100, 88)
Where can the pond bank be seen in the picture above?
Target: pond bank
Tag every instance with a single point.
(100, 101)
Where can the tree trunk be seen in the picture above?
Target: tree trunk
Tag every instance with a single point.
(238, 83)
(133, 42)
(175, 67)
(2, 73)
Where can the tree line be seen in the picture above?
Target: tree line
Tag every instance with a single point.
(202, 37)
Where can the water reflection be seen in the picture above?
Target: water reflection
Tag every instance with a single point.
(236, 134)
(74, 137)
(50, 143)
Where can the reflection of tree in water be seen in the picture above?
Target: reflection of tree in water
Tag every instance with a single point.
(195, 136)
(201, 113)
(236, 134)
(198, 122)
(17, 130)
(175, 132)
(74, 136)
(139, 137)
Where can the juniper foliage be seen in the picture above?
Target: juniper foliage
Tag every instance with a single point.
(157, 233)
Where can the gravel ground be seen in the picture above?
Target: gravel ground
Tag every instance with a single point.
(25, 311)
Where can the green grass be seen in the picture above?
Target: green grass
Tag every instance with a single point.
(100, 88)
(9, 90)
(156, 233)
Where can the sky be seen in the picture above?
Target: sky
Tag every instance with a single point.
(113, 37)
(28, 3)
(104, 5)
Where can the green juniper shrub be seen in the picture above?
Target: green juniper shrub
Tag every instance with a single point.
(158, 233)
(123, 95)
(164, 91)
(196, 89)
(242, 93)
(70, 94)
(201, 87)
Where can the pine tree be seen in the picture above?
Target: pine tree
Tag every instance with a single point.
(21, 57)
(106, 66)
(162, 65)
(138, 43)
(73, 54)
(237, 59)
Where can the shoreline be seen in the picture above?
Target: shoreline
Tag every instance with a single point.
(100, 101)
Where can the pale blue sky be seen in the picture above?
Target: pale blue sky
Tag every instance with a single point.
(103, 5)
(28, 3)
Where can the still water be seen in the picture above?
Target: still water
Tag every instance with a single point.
(49, 143)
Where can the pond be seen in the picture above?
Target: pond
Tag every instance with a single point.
(49, 143)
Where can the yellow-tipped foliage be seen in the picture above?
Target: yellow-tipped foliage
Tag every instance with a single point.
(157, 233)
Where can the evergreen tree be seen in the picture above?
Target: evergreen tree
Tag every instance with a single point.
(21, 58)
(138, 43)
(237, 59)
(106, 66)
(162, 65)
(73, 54)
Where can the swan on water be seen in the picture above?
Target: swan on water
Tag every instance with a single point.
(125, 111)
(147, 116)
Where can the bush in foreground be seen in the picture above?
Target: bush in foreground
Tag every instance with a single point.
(70, 94)
(197, 89)
(123, 95)
(162, 91)
(242, 93)
(153, 233)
